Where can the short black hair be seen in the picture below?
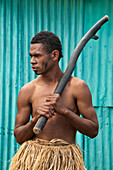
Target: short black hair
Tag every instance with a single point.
(50, 41)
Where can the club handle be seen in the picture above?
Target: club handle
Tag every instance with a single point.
(40, 124)
(72, 62)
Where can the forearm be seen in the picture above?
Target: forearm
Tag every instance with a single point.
(83, 125)
(24, 132)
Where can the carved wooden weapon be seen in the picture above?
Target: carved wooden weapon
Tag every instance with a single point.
(72, 62)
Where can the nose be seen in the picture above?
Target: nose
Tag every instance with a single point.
(33, 61)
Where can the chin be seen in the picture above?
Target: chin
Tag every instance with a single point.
(37, 73)
(40, 72)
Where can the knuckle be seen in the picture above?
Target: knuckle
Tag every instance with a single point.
(54, 102)
(43, 114)
(47, 111)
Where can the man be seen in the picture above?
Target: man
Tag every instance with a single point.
(54, 147)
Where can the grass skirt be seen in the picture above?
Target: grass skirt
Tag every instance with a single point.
(38, 154)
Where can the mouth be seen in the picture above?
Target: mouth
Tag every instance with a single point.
(35, 68)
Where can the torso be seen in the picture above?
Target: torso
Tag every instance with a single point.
(57, 126)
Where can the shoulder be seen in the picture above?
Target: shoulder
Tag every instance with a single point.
(76, 82)
(79, 87)
(26, 91)
(27, 88)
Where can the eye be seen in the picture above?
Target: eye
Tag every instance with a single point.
(36, 55)
(30, 55)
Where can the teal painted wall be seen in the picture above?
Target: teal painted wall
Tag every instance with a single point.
(70, 20)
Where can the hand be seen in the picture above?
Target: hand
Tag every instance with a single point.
(56, 103)
(45, 109)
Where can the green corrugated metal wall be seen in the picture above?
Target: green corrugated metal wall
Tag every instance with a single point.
(70, 20)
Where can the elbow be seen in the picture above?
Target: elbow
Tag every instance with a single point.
(95, 132)
(17, 137)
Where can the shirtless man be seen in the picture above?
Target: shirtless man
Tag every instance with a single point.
(37, 98)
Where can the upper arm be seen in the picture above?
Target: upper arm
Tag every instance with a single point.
(23, 108)
(84, 102)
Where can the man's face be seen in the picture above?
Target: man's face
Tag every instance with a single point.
(40, 60)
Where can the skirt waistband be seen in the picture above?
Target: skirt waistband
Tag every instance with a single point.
(53, 142)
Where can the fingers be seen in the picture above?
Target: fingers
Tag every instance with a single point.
(56, 102)
(52, 96)
(46, 110)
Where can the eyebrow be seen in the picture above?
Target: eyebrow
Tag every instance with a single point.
(35, 54)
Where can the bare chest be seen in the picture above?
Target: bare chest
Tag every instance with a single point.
(40, 94)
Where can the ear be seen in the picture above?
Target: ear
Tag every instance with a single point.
(55, 55)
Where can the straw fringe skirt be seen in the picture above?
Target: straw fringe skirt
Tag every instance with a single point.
(38, 154)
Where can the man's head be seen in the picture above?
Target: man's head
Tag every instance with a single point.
(50, 42)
